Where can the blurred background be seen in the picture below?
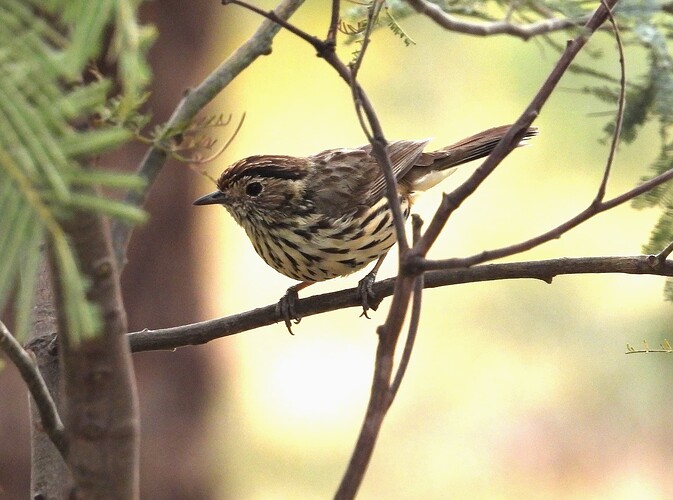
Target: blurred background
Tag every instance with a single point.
(515, 388)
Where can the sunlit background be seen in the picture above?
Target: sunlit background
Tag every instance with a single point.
(516, 389)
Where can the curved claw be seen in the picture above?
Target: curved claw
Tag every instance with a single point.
(366, 292)
(286, 308)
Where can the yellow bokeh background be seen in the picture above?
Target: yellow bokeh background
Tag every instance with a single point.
(516, 389)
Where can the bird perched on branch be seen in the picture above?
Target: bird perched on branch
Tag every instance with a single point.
(327, 215)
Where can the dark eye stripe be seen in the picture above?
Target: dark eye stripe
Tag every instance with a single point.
(271, 171)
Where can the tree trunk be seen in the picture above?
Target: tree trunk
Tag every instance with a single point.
(100, 400)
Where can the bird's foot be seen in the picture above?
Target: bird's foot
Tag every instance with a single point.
(286, 308)
(365, 293)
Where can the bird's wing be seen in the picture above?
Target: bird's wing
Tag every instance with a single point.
(350, 179)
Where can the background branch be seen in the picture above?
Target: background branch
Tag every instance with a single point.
(50, 475)
(621, 100)
(523, 31)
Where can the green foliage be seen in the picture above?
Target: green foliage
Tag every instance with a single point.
(357, 19)
(354, 20)
(45, 105)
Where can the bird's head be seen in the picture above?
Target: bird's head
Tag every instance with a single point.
(264, 187)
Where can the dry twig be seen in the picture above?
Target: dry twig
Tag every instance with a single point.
(504, 27)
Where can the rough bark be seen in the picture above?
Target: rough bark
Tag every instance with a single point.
(101, 405)
(49, 477)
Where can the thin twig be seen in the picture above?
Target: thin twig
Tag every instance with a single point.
(212, 156)
(25, 363)
(280, 21)
(663, 255)
(333, 23)
(505, 27)
(664, 347)
(414, 319)
(620, 109)
(372, 16)
(374, 10)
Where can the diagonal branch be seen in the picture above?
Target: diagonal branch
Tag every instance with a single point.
(51, 421)
(190, 105)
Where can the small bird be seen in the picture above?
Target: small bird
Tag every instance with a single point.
(327, 215)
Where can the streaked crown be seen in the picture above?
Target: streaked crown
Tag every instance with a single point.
(267, 188)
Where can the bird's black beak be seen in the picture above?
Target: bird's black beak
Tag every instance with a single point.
(214, 198)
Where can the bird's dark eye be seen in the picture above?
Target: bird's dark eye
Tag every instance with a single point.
(253, 189)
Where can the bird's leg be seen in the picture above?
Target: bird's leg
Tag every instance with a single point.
(286, 305)
(365, 291)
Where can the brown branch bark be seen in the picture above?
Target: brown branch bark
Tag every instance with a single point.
(100, 404)
(544, 270)
(415, 317)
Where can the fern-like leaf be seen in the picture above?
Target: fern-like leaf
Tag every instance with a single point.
(45, 48)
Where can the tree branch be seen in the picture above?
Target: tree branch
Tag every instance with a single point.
(51, 421)
(505, 27)
(544, 270)
(191, 104)
(414, 319)
(49, 475)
